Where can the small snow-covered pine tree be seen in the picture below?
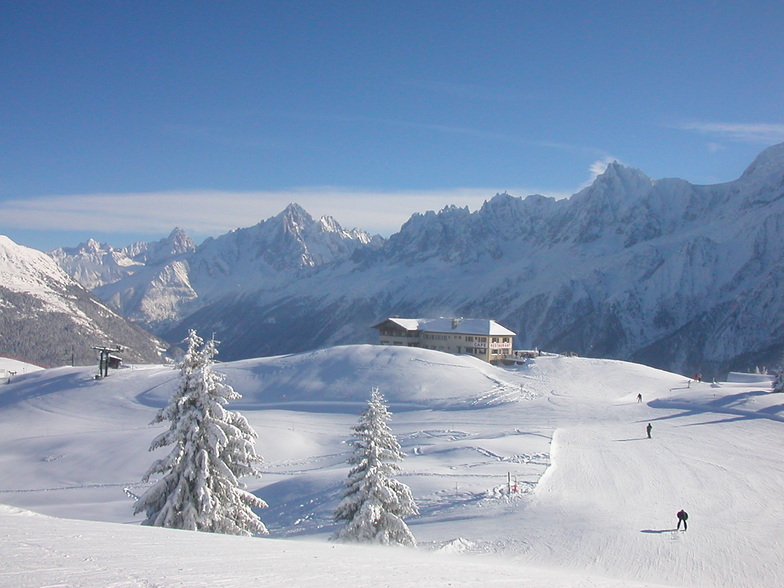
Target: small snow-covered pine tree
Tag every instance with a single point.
(373, 503)
(778, 381)
(212, 448)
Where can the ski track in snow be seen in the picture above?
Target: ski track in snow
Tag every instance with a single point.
(70, 487)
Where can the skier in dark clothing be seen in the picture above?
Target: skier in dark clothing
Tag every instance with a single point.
(639, 398)
(682, 516)
(649, 428)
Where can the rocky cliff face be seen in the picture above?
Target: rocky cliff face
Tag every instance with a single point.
(675, 275)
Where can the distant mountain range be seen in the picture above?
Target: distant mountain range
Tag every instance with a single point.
(49, 319)
(158, 284)
(662, 272)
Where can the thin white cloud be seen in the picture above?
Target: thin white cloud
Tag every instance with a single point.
(764, 133)
(205, 213)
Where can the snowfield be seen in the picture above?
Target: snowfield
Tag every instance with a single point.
(592, 500)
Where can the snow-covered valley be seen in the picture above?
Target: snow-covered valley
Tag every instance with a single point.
(593, 501)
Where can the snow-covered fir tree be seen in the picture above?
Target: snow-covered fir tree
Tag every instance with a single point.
(212, 448)
(778, 380)
(373, 503)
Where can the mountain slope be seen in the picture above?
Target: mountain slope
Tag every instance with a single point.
(47, 318)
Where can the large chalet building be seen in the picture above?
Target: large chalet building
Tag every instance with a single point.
(482, 338)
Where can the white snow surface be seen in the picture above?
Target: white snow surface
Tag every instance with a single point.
(27, 270)
(594, 505)
(15, 365)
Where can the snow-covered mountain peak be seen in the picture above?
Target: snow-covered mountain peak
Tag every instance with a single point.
(329, 224)
(180, 241)
(501, 199)
(770, 161)
(506, 208)
(93, 246)
(90, 247)
(27, 270)
(613, 168)
(614, 190)
(621, 180)
(617, 196)
(446, 235)
(294, 218)
(177, 243)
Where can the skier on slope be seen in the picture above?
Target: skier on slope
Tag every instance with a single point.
(649, 428)
(682, 517)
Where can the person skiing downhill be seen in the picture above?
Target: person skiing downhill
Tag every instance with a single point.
(639, 398)
(682, 516)
(649, 428)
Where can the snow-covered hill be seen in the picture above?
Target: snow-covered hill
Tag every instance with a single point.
(48, 318)
(671, 274)
(593, 500)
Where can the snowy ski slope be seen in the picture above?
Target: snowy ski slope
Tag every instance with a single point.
(595, 500)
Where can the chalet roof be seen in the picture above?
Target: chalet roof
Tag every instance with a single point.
(466, 326)
(403, 323)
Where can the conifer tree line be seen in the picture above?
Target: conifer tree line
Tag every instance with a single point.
(212, 448)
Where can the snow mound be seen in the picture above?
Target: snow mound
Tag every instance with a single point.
(598, 379)
(340, 378)
(459, 545)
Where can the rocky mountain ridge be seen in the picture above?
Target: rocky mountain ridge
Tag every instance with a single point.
(157, 284)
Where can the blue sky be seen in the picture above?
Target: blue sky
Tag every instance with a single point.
(120, 120)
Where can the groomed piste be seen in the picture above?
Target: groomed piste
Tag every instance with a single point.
(533, 475)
